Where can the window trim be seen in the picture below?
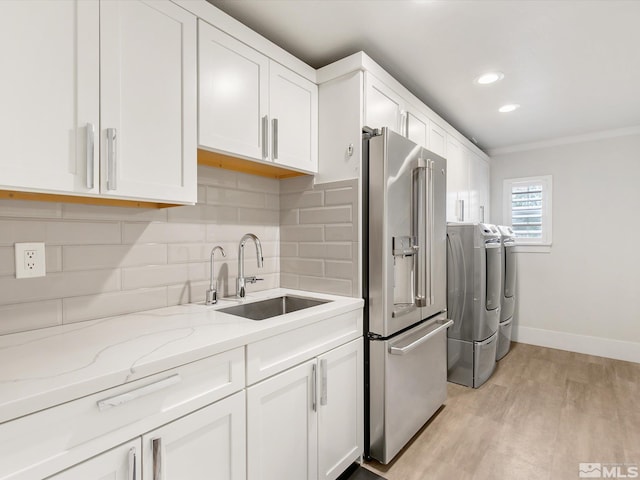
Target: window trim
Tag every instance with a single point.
(547, 222)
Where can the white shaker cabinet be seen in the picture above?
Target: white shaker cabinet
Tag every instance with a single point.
(253, 107)
(457, 181)
(148, 101)
(311, 415)
(234, 95)
(49, 92)
(479, 175)
(340, 414)
(437, 139)
(383, 106)
(120, 463)
(282, 425)
(209, 443)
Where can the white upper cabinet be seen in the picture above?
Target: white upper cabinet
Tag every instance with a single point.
(148, 101)
(234, 95)
(383, 106)
(457, 181)
(49, 91)
(293, 105)
(437, 139)
(416, 127)
(479, 175)
(102, 102)
(253, 107)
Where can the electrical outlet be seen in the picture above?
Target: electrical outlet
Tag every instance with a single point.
(30, 260)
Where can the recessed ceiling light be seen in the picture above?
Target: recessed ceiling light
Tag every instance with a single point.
(508, 108)
(489, 77)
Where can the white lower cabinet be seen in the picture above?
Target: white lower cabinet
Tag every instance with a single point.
(209, 443)
(120, 463)
(306, 423)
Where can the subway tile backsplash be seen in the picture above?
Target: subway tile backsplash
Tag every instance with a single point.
(104, 261)
(319, 236)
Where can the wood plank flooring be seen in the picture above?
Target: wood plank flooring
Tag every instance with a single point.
(542, 413)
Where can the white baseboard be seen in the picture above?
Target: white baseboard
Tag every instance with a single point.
(601, 347)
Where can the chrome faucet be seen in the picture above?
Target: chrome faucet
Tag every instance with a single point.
(212, 293)
(242, 280)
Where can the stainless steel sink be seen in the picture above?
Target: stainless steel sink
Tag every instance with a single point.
(272, 307)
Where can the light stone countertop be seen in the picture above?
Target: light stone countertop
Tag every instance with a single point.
(43, 368)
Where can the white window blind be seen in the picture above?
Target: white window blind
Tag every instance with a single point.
(527, 207)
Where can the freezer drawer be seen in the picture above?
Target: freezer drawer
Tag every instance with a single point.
(471, 363)
(504, 338)
(408, 383)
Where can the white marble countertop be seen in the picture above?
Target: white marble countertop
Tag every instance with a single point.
(43, 368)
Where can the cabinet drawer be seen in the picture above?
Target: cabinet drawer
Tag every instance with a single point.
(275, 354)
(48, 441)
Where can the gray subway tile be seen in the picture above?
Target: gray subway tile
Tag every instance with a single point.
(30, 316)
(326, 215)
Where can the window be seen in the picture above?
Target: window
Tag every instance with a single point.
(527, 208)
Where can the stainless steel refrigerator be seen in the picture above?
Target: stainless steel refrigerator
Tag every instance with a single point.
(404, 289)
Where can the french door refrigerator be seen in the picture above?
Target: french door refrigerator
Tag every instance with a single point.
(404, 265)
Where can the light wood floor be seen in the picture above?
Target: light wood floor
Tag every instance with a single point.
(542, 412)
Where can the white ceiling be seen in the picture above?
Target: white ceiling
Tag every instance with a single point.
(573, 66)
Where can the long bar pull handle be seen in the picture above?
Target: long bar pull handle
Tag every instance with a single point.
(314, 392)
(461, 204)
(482, 213)
(132, 464)
(323, 380)
(156, 444)
(90, 154)
(274, 132)
(419, 231)
(112, 160)
(138, 392)
(441, 325)
(430, 236)
(265, 137)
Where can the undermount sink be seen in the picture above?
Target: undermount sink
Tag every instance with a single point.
(272, 307)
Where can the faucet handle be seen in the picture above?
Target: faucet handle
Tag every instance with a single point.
(253, 279)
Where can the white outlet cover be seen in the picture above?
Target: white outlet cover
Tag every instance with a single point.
(39, 260)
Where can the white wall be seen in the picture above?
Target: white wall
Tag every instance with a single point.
(585, 294)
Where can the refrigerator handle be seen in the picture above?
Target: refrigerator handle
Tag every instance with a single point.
(419, 231)
(430, 233)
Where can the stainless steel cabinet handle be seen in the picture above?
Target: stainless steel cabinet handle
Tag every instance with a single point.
(156, 444)
(138, 392)
(90, 154)
(442, 325)
(461, 216)
(482, 213)
(112, 161)
(265, 137)
(314, 382)
(323, 380)
(274, 129)
(132, 464)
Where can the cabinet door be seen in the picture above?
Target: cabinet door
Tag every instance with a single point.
(49, 91)
(293, 106)
(234, 95)
(478, 189)
(120, 463)
(282, 426)
(416, 128)
(457, 182)
(340, 415)
(382, 106)
(148, 101)
(437, 139)
(209, 443)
